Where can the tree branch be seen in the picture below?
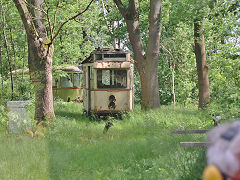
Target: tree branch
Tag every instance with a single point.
(55, 18)
(34, 7)
(131, 16)
(120, 7)
(105, 18)
(26, 17)
(168, 51)
(61, 26)
(49, 25)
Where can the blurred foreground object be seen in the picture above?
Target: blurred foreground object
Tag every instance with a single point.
(18, 117)
(223, 154)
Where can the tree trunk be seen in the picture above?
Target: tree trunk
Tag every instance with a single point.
(23, 66)
(40, 53)
(14, 53)
(173, 84)
(1, 64)
(9, 62)
(149, 84)
(202, 66)
(7, 49)
(146, 62)
(40, 68)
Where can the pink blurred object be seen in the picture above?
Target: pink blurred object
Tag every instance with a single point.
(224, 149)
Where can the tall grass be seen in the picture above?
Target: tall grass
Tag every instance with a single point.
(138, 147)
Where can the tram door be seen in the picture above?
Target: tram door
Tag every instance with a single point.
(89, 89)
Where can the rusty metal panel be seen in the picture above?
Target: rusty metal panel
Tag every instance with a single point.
(114, 65)
(102, 100)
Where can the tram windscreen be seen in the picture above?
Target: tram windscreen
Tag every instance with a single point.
(111, 78)
(76, 79)
(66, 81)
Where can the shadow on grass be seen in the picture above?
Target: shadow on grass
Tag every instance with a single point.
(79, 116)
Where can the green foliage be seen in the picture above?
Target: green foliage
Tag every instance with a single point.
(24, 91)
(95, 28)
(137, 88)
(3, 117)
(15, 32)
(79, 37)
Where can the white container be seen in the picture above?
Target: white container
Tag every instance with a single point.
(18, 117)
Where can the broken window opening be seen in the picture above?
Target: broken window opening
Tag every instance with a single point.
(66, 81)
(111, 78)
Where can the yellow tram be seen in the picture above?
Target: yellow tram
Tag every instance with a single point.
(68, 87)
(108, 82)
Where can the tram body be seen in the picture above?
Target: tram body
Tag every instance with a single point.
(108, 82)
(69, 86)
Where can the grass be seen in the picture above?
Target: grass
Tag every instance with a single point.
(138, 147)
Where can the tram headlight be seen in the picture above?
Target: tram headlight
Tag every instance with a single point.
(112, 101)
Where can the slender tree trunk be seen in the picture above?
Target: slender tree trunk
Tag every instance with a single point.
(146, 62)
(14, 53)
(7, 49)
(23, 66)
(202, 66)
(116, 41)
(9, 63)
(1, 64)
(173, 84)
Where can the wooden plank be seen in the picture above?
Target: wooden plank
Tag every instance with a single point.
(196, 131)
(194, 144)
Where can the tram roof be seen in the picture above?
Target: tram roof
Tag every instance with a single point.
(107, 51)
(69, 68)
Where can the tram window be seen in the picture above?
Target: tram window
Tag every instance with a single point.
(66, 81)
(84, 77)
(98, 56)
(106, 77)
(121, 78)
(111, 78)
(54, 83)
(91, 77)
(76, 79)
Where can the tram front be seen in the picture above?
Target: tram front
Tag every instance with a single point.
(109, 82)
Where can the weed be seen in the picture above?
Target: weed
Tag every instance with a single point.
(140, 146)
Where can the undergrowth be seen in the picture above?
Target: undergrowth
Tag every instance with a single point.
(140, 146)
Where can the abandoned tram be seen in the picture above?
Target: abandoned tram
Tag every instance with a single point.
(68, 87)
(107, 82)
